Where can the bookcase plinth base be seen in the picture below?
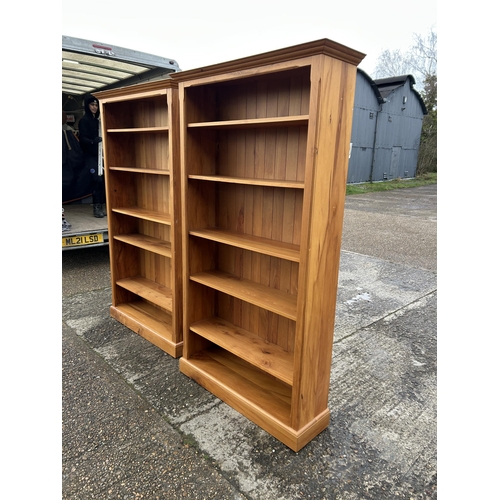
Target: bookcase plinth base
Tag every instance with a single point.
(230, 389)
(128, 316)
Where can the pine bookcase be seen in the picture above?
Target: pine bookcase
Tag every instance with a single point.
(140, 127)
(264, 147)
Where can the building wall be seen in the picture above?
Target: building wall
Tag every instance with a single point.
(398, 135)
(365, 111)
(385, 138)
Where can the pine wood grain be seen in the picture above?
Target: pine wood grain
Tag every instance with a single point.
(247, 346)
(146, 243)
(143, 213)
(254, 243)
(149, 290)
(250, 181)
(260, 295)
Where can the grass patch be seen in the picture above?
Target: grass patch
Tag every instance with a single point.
(371, 187)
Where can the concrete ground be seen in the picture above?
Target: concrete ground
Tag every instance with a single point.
(135, 427)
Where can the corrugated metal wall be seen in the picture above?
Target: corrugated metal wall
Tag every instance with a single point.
(385, 138)
(364, 122)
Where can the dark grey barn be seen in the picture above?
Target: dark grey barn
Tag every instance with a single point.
(387, 123)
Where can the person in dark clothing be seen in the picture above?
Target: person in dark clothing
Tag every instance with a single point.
(88, 128)
(76, 181)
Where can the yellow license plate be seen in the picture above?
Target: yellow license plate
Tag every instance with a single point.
(85, 239)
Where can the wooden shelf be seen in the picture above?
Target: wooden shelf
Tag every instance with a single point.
(251, 384)
(149, 322)
(145, 214)
(283, 121)
(144, 313)
(140, 170)
(138, 130)
(265, 246)
(149, 290)
(146, 243)
(248, 181)
(247, 346)
(263, 296)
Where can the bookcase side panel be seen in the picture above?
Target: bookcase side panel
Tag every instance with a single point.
(319, 278)
(174, 210)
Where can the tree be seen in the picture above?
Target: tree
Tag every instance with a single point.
(427, 154)
(393, 63)
(423, 55)
(420, 60)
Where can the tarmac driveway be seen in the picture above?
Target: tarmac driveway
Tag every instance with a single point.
(399, 226)
(135, 427)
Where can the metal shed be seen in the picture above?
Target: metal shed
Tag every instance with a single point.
(367, 105)
(387, 123)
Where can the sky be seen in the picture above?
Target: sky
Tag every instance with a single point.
(198, 34)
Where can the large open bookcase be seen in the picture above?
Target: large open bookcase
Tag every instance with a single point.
(140, 127)
(264, 147)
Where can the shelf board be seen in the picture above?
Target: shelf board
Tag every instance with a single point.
(146, 314)
(269, 357)
(149, 290)
(283, 121)
(243, 381)
(145, 214)
(265, 246)
(154, 245)
(250, 181)
(139, 170)
(137, 130)
(273, 300)
(149, 322)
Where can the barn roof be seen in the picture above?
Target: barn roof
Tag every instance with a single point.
(372, 84)
(388, 85)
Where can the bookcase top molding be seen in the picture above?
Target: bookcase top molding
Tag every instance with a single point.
(308, 49)
(156, 87)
